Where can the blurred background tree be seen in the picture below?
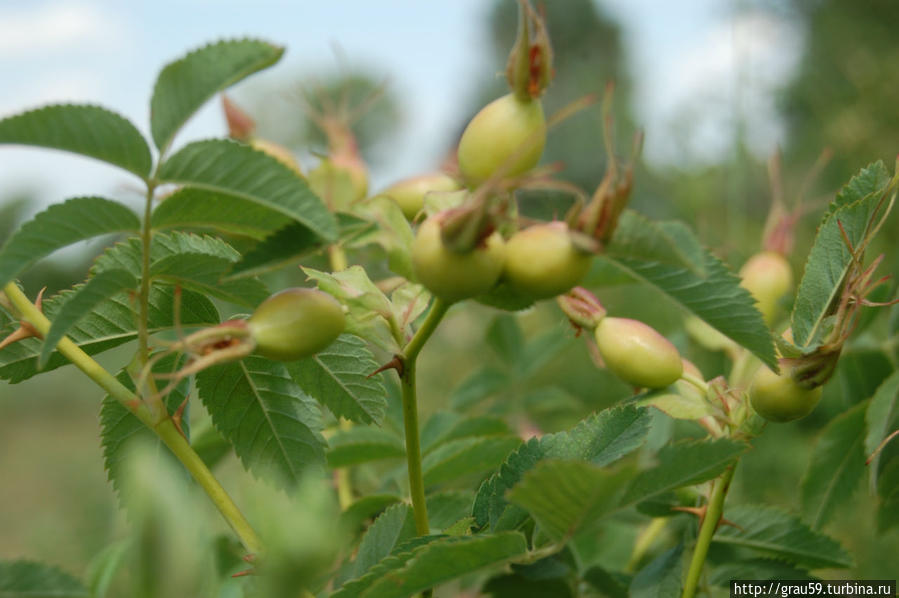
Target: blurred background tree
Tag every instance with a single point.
(846, 91)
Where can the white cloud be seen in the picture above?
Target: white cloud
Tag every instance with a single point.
(54, 26)
(69, 85)
(733, 68)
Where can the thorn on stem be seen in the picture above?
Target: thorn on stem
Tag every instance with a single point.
(178, 416)
(25, 329)
(397, 363)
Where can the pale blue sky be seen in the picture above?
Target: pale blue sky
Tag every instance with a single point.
(689, 54)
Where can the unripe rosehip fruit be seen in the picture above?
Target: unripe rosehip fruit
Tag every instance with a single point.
(410, 193)
(768, 276)
(296, 323)
(279, 152)
(542, 261)
(455, 276)
(638, 354)
(778, 398)
(505, 128)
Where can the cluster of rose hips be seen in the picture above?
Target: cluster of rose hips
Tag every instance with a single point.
(467, 251)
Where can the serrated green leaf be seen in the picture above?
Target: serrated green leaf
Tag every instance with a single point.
(662, 577)
(565, 497)
(601, 439)
(236, 169)
(340, 377)
(836, 468)
(271, 423)
(490, 502)
(393, 527)
(81, 302)
(466, 456)
(402, 555)
(126, 255)
(776, 533)
(638, 237)
(446, 559)
(872, 178)
(361, 444)
(120, 428)
(108, 325)
(683, 463)
(205, 273)
(28, 579)
(192, 208)
(480, 385)
(194, 262)
(282, 247)
(83, 129)
(882, 417)
(186, 84)
(717, 297)
(829, 258)
(60, 225)
(368, 309)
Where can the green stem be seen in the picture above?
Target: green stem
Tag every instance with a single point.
(697, 382)
(707, 530)
(337, 258)
(165, 428)
(410, 413)
(192, 462)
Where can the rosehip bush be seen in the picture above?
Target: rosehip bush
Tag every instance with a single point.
(508, 486)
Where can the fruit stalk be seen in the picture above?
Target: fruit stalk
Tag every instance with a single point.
(707, 530)
(165, 429)
(410, 413)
